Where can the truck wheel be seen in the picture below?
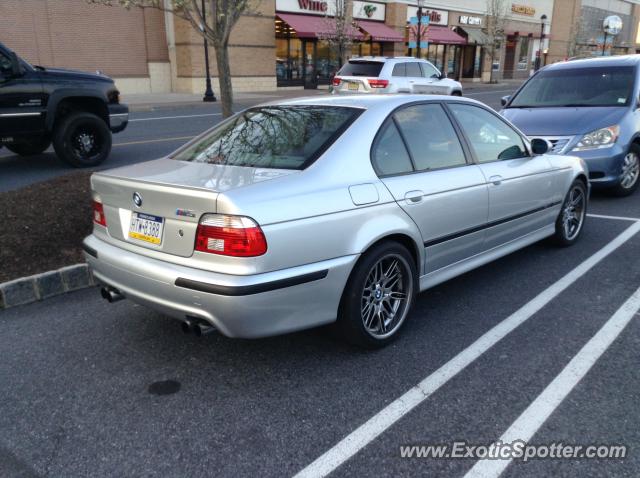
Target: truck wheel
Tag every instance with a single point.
(31, 148)
(82, 140)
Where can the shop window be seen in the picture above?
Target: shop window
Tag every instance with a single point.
(524, 53)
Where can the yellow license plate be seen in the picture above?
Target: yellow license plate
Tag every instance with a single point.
(354, 86)
(147, 228)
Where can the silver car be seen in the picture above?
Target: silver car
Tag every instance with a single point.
(337, 209)
(393, 75)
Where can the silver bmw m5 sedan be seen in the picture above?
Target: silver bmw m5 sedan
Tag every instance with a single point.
(337, 209)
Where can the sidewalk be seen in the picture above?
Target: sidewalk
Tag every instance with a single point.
(150, 101)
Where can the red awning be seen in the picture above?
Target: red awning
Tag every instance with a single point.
(314, 26)
(443, 35)
(379, 31)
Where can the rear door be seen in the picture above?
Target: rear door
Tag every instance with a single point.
(417, 82)
(522, 194)
(420, 159)
(399, 81)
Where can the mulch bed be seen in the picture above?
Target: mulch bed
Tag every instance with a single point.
(43, 225)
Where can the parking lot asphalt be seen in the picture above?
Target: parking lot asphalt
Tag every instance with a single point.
(153, 134)
(97, 389)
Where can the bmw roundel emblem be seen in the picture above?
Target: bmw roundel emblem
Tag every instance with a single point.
(137, 199)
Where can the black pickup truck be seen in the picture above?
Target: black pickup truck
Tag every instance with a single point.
(75, 111)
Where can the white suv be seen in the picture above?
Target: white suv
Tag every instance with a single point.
(393, 75)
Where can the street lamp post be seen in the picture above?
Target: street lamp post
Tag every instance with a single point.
(208, 94)
(539, 59)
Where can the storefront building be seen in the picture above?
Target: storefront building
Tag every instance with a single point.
(305, 35)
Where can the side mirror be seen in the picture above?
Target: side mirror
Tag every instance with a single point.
(540, 146)
(443, 75)
(504, 100)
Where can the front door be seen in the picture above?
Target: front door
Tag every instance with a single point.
(419, 157)
(521, 187)
(509, 57)
(21, 101)
(432, 77)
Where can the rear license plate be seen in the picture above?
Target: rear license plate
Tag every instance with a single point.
(147, 228)
(354, 86)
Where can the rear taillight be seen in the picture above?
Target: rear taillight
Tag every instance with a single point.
(336, 81)
(375, 83)
(98, 214)
(230, 236)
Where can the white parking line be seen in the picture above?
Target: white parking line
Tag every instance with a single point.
(376, 425)
(174, 117)
(615, 218)
(551, 397)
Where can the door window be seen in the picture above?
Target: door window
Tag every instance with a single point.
(389, 154)
(429, 71)
(413, 69)
(431, 139)
(491, 138)
(5, 65)
(399, 69)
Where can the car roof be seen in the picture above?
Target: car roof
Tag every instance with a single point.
(369, 102)
(386, 59)
(603, 61)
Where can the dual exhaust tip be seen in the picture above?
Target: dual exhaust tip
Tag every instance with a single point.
(190, 325)
(197, 327)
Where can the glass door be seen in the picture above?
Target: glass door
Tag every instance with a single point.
(310, 67)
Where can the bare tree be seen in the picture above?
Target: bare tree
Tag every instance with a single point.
(338, 30)
(221, 16)
(575, 36)
(496, 15)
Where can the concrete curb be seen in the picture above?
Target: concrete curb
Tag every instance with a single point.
(42, 286)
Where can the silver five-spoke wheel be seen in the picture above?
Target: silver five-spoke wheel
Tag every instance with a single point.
(630, 170)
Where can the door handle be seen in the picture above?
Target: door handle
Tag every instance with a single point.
(496, 180)
(414, 197)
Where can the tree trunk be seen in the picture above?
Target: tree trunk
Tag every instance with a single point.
(224, 79)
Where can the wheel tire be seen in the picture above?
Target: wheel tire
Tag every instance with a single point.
(570, 221)
(362, 300)
(31, 148)
(82, 139)
(630, 173)
(456, 93)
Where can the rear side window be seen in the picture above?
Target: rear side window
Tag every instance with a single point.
(361, 68)
(432, 141)
(413, 69)
(282, 137)
(389, 154)
(399, 69)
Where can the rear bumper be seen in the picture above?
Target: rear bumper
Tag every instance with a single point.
(118, 117)
(238, 306)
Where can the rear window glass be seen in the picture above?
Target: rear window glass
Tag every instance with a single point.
(282, 137)
(361, 68)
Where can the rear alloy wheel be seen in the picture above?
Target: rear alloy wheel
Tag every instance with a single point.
(571, 218)
(82, 140)
(378, 297)
(30, 148)
(630, 173)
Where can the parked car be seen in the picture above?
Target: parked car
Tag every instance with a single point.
(76, 111)
(297, 213)
(586, 108)
(393, 75)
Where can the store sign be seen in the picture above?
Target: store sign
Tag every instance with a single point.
(469, 20)
(361, 10)
(369, 10)
(523, 10)
(436, 17)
